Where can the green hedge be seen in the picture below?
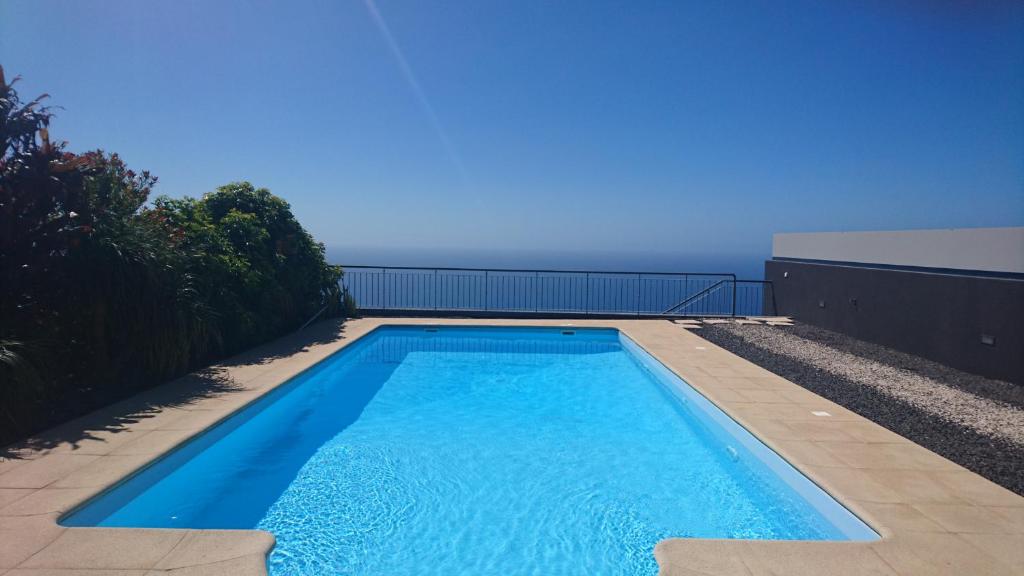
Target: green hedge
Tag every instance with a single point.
(103, 294)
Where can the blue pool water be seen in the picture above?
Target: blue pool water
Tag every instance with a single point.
(478, 451)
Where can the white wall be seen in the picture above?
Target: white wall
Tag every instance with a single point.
(985, 249)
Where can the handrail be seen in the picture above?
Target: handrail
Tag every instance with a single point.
(698, 295)
(498, 292)
(541, 271)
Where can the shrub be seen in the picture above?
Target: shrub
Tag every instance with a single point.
(102, 295)
(253, 262)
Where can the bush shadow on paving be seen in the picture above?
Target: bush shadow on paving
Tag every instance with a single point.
(210, 382)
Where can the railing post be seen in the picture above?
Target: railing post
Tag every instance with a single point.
(586, 295)
(436, 291)
(483, 304)
(735, 285)
(536, 292)
(638, 295)
(686, 286)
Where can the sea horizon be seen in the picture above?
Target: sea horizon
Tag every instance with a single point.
(746, 266)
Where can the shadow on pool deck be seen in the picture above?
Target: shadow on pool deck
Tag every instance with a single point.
(101, 426)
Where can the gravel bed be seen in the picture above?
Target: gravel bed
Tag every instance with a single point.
(974, 421)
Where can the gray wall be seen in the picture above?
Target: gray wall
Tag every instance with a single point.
(978, 249)
(942, 317)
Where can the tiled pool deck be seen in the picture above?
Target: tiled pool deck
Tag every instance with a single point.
(934, 516)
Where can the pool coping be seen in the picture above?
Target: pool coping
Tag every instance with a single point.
(933, 516)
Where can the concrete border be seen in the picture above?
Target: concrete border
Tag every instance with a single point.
(934, 516)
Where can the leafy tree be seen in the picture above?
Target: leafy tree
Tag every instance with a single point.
(256, 263)
(41, 199)
(102, 295)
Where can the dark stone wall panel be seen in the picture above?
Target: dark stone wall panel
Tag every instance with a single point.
(942, 317)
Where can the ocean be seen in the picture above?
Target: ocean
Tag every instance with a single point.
(695, 284)
(746, 266)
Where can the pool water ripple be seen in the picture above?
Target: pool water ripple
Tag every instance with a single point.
(472, 451)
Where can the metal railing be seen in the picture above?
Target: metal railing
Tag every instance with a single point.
(754, 298)
(380, 290)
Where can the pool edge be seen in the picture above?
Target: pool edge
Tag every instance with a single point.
(757, 447)
(901, 550)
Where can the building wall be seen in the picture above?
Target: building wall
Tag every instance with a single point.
(970, 322)
(976, 249)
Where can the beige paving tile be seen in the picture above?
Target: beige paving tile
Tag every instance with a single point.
(22, 537)
(1013, 514)
(154, 443)
(816, 559)
(158, 417)
(73, 572)
(49, 500)
(195, 420)
(187, 392)
(679, 557)
(789, 412)
(102, 548)
(799, 395)
(245, 373)
(764, 396)
(978, 490)
(768, 428)
(1008, 548)
(8, 463)
(109, 425)
(723, 395)
(894, 456)
(931, 554)
(90, 442)
(277, 377)
(227, 404)
(748, 382)
(806, 452)
(867, 431)
(915, 486)
(818, 430)
(696, 376)
(10, 495)
(968, 518)
(135, 413)
(212, 546)
(44, 470)
(251, 565)
(103, 473)
(265, 381)
(705, 566)
(853, 484)
(899, 517)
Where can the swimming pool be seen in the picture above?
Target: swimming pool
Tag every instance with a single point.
(478, 450)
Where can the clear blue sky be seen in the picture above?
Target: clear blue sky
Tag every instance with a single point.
(537, 125)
